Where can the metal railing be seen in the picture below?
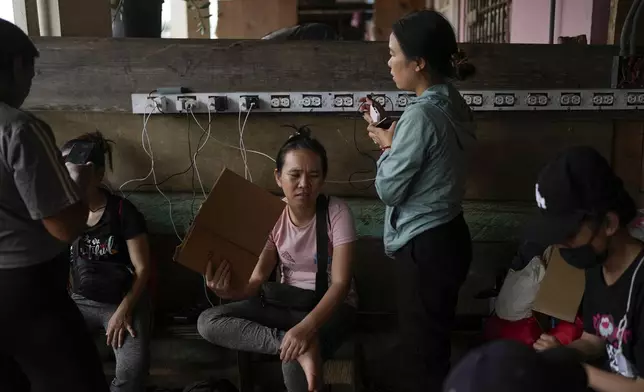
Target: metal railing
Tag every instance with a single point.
(487, 21)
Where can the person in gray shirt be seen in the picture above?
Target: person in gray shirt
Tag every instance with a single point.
(47, 346)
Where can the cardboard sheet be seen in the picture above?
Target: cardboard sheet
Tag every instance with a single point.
(233, 224)
(561, 289)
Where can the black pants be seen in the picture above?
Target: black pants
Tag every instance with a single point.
(46, 346)
(431, 269)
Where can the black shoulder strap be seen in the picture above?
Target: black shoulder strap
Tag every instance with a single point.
(322, 244)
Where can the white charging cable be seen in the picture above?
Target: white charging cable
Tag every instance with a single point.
(242, 146)
(145, 137)
(230, 145)
(200, 147)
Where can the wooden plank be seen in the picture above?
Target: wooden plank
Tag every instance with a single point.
(505, 164)
(254, 18)
(85, 18)
(386, 12)
(627, 158)
(613, 21)
(101, 74)
(511, 152)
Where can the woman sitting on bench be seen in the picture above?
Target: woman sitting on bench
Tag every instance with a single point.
(110, 268)
(306, 316)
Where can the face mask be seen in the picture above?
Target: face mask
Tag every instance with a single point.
(583, 257)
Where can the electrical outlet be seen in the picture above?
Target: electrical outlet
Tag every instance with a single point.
(537, 99)
(473, 99)
(635, 99)
(249, 102)
(158, 103)
(188, 103)
(218, 103)
(343, 100)
(380, 99)
(403, 100)
(504, 99)
(280, 101)
(603, 99)
(570, 99)
(312, 101)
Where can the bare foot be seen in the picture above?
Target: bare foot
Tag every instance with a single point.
(311, 363)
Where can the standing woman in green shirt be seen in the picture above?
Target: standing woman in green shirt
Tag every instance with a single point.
(421, 179)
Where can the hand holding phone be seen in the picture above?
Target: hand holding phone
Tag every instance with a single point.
(80, 153)
(378, 114)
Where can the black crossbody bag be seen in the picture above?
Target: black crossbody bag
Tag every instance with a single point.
(295, 298)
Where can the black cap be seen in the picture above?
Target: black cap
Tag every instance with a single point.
(578, 183)
(14, 43)
(509, 366)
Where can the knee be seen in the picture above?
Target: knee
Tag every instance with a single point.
(132, 368)
(206, 323)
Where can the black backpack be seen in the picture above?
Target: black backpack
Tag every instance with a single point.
(211, 385)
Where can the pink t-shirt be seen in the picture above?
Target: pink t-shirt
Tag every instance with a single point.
(297, 246)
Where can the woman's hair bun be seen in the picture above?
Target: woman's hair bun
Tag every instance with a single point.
(463, 69)
(301, 132)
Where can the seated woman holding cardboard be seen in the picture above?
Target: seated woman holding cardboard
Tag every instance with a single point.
(586, 210)
(305, 317)
(110, 267)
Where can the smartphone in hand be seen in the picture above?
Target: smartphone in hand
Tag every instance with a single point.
(378, 115)
(80, 153)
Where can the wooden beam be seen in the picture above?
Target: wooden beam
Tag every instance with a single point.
(101, 74)
(509, 154)
(85, 18)
(26, 16)
(250, 19)
(386, 12)
(75, 18)
(48, 20)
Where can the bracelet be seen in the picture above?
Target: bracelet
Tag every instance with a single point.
(385, 148)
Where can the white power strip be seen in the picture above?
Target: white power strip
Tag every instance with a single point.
(392, 101)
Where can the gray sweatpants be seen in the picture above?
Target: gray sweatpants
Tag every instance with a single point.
(250, 326)
(133, 359)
